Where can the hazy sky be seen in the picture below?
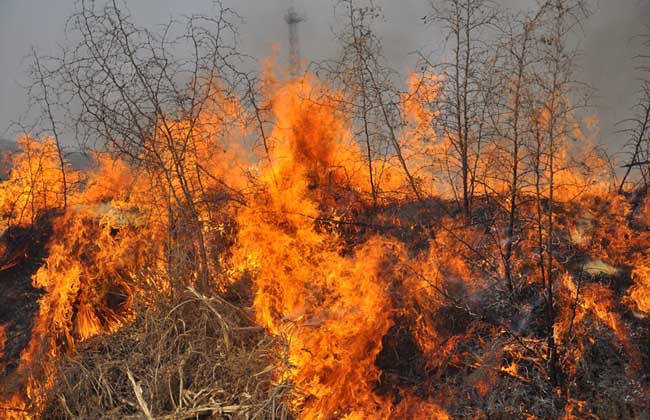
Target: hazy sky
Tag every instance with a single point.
(607, 63)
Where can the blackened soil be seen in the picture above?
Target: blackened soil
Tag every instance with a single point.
(22, 253)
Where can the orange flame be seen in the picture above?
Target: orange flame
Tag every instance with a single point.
(334, 298)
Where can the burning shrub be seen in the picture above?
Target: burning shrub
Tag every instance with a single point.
(35, 185)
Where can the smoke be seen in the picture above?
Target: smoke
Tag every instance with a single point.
(607, 39)
(610, 42)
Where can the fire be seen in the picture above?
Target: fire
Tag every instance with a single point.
(35, 182)
(85, 277)
(640, 292)
(334, 308)
(358, 295)
(3, 339)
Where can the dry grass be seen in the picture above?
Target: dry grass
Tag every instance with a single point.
(196, 358)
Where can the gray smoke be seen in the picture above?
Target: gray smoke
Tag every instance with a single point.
(607, 40)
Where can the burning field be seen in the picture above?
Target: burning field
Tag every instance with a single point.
(321, 244)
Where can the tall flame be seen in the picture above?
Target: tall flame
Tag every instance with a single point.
(294, 223)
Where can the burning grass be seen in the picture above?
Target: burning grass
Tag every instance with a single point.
(419, 341)
(320, 308)
(188, 275)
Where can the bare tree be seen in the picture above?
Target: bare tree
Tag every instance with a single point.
(509, 121)
(552, 121)
(373, 99)
(465, 93)
(638, 130)
(127, 88)
(359, 45)
(40, 77)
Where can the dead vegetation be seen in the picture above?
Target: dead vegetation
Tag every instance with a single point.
(328, 245)
(192, 358)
